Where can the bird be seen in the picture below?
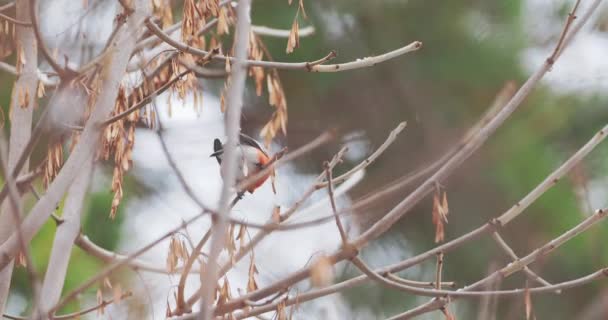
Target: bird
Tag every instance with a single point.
(251, 156)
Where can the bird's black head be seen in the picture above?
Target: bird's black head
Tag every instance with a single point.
(218, 149)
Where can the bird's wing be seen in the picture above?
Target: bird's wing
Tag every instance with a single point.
(249, 141)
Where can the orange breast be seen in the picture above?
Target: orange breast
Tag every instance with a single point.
(263, 160)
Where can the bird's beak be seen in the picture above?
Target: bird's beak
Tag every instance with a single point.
(216, 154)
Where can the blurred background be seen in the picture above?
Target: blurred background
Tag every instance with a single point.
(471, 50)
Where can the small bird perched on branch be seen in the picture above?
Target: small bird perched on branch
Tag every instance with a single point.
(252, 158)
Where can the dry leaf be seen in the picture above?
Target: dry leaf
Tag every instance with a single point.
(230, 244)
(322, 272)
(21, 260)
(40, 92)
(253, 270)
(188, 20)
(440, 212)
(276, 214)
(293, 40)
(227, 65)
(281, 315)
(224, 293)
(172, 257)
(241, 235)
(101, 310)
(222, 22)
(54, 162)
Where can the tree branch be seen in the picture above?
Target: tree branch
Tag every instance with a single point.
(65, 235)
(236, 90)
(20, 133)
(306, 66)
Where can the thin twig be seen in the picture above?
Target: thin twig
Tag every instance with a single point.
(281, 33)
(78, 314)
(187, 267)
(62, 72)
(88, 246)
(509, 251)
(330, 192)
(422, 284)
(360, 63)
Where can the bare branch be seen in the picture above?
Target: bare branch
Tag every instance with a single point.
(66, 234)
(360, 63)
(332, 201)
(505, 247)
(281, 33)
(236, 90)
(20, 133)
(84, 243)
